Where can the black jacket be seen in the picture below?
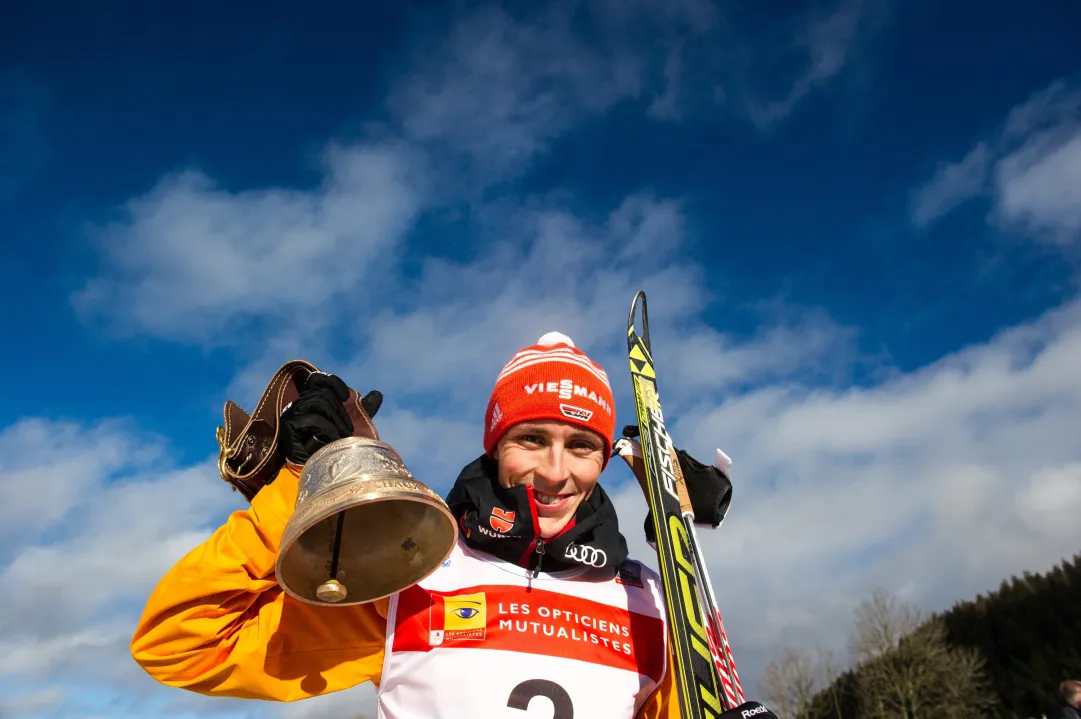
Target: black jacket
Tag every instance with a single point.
(503, 522)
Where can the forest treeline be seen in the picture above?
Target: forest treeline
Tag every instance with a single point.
(998, 656)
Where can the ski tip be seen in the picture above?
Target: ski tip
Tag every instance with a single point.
(551, 339)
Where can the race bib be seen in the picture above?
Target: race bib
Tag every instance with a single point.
(511, 650)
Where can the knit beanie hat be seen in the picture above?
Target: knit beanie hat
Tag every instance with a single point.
(551, 380)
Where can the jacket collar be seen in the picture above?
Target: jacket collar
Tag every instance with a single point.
(503, 522)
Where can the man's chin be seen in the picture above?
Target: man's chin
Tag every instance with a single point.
(551, 528)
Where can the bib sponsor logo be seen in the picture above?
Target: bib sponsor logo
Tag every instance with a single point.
(747, 713)
(457, 618)
(569, 410)
(526, 620)
(566, 389)
(502, 520)
(589, 556)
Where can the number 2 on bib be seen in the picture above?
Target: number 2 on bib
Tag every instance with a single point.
(521, 695)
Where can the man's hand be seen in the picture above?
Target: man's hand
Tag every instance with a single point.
(317, 417)
(708, 486)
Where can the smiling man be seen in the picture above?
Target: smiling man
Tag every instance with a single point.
(538, 599)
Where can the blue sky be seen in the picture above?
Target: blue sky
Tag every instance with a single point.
(857, 222)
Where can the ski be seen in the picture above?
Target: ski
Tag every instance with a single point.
(705, 671)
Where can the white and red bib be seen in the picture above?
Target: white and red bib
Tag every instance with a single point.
(483, 639)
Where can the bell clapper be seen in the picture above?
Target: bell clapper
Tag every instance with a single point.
(332, 590)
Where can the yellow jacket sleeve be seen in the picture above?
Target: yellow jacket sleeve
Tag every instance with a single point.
(218, 623)
(663, 703)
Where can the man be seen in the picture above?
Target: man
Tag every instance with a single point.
(545, 605)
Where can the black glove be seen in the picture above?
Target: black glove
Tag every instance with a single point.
(709, 490)
(317, 417)
(749, 710)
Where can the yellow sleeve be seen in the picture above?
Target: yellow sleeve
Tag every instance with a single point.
(218, 623)
(663, 703)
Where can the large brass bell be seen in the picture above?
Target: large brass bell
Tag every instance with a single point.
(363, 527)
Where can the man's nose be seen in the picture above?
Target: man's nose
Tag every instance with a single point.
(552, 468)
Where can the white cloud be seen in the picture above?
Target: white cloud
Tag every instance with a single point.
(822, 44)
(105, 514)
(433, 447)
(1031, 170)
(31, 703)
(954, 183)
(1039, 185)
(500, 89)
(40, 489)
(547, 270)
(711, 57)
(705, 361)
(190, 259)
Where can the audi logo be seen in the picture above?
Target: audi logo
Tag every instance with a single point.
(589, 556)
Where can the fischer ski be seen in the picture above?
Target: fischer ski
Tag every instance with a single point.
(705, 672)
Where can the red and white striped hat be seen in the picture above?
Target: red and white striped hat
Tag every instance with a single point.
(551, 380)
